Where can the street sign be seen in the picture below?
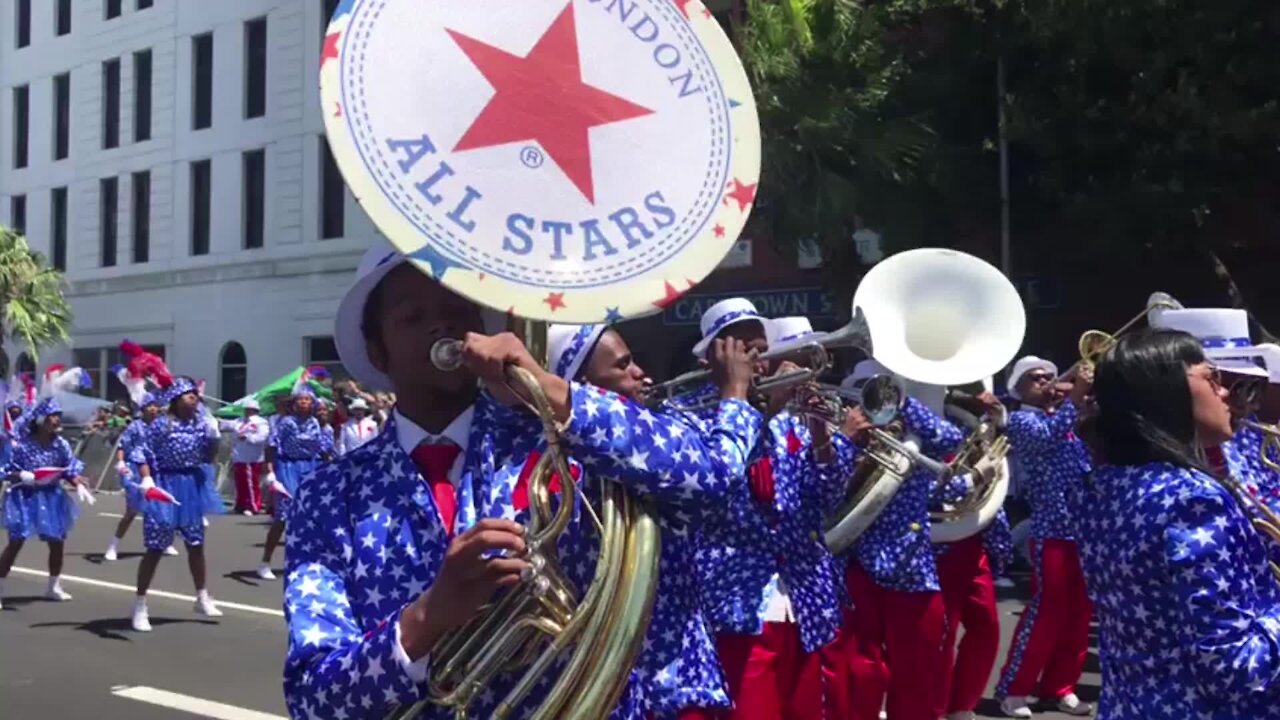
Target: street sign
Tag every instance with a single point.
(813, 303)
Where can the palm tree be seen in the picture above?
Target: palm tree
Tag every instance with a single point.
(33, 311)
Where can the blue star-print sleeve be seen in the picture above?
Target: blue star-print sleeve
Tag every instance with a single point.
(833, 476)
(1236, 638)
(658, 453)
(73, 464)
(1034, 432)
(328, 652)
(938, 436)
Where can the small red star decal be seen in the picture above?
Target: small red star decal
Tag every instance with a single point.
(719, 231)
(555, 301)
(690, 282)
(330, 49)
(684, 8)
(670, 296)
(337, 109)
(481, 277)
(744, 195)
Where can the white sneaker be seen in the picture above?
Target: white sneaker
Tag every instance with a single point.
(141, 620)
(110, 554)
(264, 572)
(1016, 707)
(1071, 705)
(1004, 582)
(205, 521)
(171, 551)
(247, 513)
(55, 593)
(205, 606)
(962, 715)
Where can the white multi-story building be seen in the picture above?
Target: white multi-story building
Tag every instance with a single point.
(170, 156)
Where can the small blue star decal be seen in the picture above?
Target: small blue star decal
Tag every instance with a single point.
(733, 103)
(612, 316)
(344, 7)
(438, 262)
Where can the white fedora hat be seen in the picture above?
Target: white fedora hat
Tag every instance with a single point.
(788, 333)
(1023, 366)
(569, 346)
(722, 315)
(378, 260)
(358, 404)
(1224, 333)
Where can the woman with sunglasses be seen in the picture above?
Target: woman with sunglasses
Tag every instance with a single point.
(1049, 646)
(1189, 612)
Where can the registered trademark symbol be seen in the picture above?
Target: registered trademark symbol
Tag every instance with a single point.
(531, 157)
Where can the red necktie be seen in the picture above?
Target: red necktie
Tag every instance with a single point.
(1217, 460)
(433, 462)
(760, 480)
(520, 494)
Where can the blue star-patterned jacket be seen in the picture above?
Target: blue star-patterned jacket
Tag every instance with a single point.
(299, 440)
(1188, 609)
(746, 551)
(1053, 461)
(30, 455)
(173, 444)
(896, 551)
(1243, 453)
(366, 540)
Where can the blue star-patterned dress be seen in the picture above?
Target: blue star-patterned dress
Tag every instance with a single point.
(46, 511)
(175, 452)
(1053, 462)
(1188, 609)
(1243, 453)
(299, 445)
(133, 436)
(896, 551)
(365, 540)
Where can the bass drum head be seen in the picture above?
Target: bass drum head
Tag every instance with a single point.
(570, 161)
(949, 529)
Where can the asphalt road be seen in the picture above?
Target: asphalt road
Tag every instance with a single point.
(81, 659)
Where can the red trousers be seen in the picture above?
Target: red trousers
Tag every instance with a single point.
(248, 494)
(770, 675)
(1052, 640)
(969, 595)
(894, 647)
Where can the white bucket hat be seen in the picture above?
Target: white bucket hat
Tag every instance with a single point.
(720, 316)
(378, 260)
(250, 403)
(358, 404)
(788, 333)
(569, 346)
(1224, 333)
(1023, 366)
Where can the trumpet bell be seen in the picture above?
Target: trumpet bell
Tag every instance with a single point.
(940, 316)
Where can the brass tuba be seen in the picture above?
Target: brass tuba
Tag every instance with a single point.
(983, 458)
(544, 621)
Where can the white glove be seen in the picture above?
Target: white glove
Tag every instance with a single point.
(277, 487)
(122, 469)
(147, 483)
(27, 477)
(85, 496)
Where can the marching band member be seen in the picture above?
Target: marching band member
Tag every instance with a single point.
(171, 461)
(386, 551)
(358, 429)
(1188, 608)
(35, 502)
(679, 666)
(133, 435)
(296, 449)
(1052, 638)
(248, 452)
(897, 621)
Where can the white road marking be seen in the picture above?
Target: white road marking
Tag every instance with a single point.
(110, 515)
(188, 704)
(152, 593)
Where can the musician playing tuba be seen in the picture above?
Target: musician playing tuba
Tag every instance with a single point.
(403, 540)
(1188, 610)
(1052, 637)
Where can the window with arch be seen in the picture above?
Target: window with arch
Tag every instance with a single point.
(233, 372)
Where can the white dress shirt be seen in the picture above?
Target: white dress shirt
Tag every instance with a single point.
(356, 432)
(251, 438)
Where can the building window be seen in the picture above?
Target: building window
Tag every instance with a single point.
(108, 196)
(255, 68)
(97, 362)
(58, 227)
(332, 195)
(141, 217)
(142, 96)
(233, 372)
(62, 18)
(202, 81)
(200, 191)
(144, 4)
(18, 214)
(113, 8)
(110, 104)
(322, 351)
(255, 184)
(23, 23)
(61, 116)
(21, 97)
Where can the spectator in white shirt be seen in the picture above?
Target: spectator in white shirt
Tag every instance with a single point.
(358, 429)
(247, 451)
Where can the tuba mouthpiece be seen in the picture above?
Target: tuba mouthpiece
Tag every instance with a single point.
(446, 354)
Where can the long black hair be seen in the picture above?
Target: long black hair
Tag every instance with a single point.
(1144, 401)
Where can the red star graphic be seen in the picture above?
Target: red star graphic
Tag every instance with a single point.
(744, 195)
(555, 301)
(480, 277)
(541, 97)
(684, 8)
(337, 109)
(671, 296)
(330, 49)
(719, 231)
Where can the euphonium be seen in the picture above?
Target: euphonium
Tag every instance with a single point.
(1269, 451)
(543, 624)
(983, 458)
